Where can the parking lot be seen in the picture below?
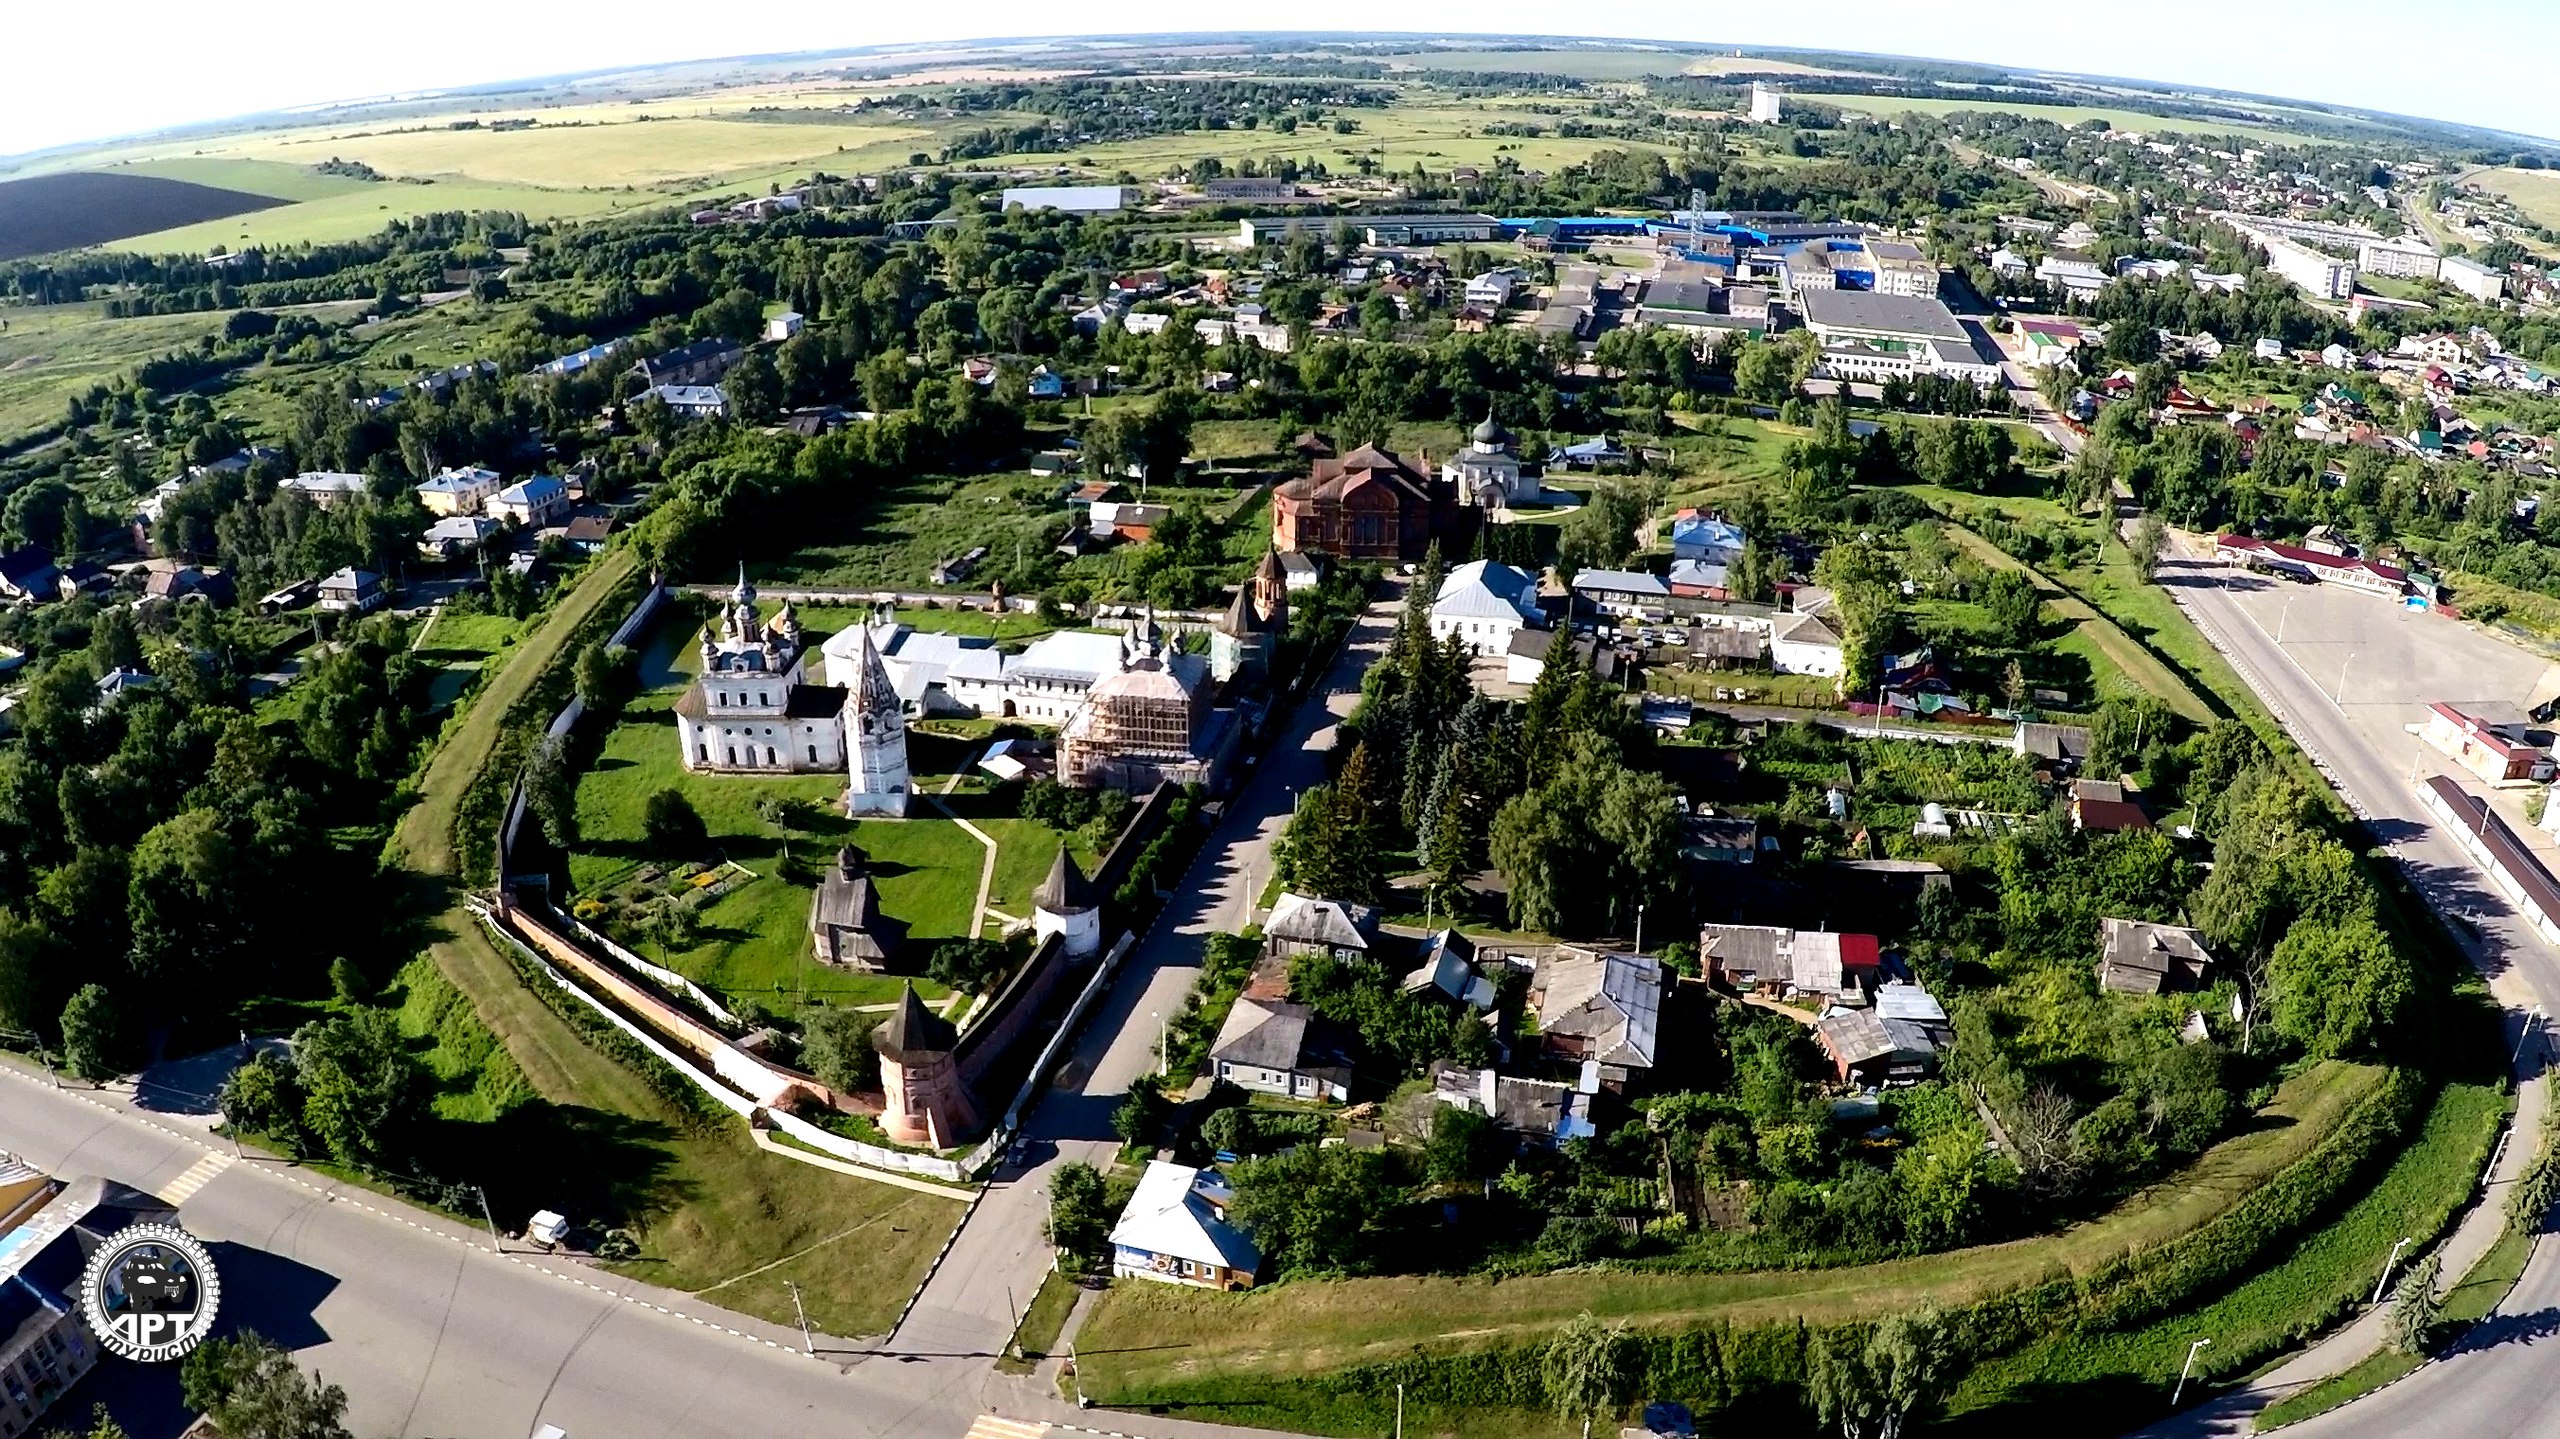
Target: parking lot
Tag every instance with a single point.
(2374, 662)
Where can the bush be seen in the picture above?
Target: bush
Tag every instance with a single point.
(672, 826)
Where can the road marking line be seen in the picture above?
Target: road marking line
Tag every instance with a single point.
(991, 1427)
(199, 1174)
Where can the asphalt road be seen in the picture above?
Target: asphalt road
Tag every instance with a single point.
(429, 1332)
(968, 1307)
(2348, 673)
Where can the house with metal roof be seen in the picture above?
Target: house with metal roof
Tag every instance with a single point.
(1482, 604)
(1303, 924)
(1626, 594)
(1175, 1231)
(1867, 335)
(1600, 1009)
(1542, 1112)
(1273, 1046)
(2138, 957)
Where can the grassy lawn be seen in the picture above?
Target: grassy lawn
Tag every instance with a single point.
(1129, 1352)
(754, 939)
(424, 840)
(2467, 1303)
(857, 1248)
(2319, 1279)
(1037, 1336)
(469, 637)
(892, 538)
(52, 352)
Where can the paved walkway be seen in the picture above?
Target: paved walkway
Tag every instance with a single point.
(2233, 1412)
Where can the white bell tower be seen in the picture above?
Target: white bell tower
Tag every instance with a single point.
(875, 739)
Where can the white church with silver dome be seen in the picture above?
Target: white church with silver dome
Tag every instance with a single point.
(752, 711)
(1486, 473)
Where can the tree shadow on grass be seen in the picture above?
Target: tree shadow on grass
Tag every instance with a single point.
(593, 1166)
(2061, 1407)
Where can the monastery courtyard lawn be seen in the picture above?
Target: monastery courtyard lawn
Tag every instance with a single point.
(752, 939)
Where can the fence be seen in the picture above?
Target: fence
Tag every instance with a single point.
(2495, 848)
(660, 974)
(519, 807)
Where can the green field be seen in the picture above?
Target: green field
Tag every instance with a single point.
(1293, 1330)
(2535, 192)
(50, 353)
(2060, 115)
(354, 214)
(1438, 135)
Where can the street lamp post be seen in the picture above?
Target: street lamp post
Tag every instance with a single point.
(1164, 1060)
(2340, 698)
(2185, 1369)
(1639, 929)
(2384, 1282)
(806, 1342)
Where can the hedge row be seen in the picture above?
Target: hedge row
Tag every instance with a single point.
(484, 805)
(698, 1110)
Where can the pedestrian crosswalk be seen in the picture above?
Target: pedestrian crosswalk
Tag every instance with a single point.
(991, 1427)
(198, 1175)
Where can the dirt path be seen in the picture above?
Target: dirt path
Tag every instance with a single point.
(2145, 668)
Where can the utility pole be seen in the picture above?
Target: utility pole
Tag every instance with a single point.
(2183, 1369)
(494, 1241)
(2380, 1284)
(1399, 1411)
(1639, 929)
(811, 1345)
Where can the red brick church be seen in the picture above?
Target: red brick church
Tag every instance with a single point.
(1366, 505)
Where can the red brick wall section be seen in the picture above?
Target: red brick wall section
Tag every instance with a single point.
(761, 1079)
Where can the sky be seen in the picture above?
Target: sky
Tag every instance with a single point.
(137, 65)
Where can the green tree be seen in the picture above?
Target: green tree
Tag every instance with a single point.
(970, 964)
(600, 673)
(1313, 1210)
(1584, 1368)
(2415, 1309)
(362, 1089)
(93, 1034)
(264, 1096)
(2150, 539)
(2339, 988)
(1141, 1116)
(835, 1045)
(1869, 1384)
(1079, 1216)
(251, 1389)
(672, 827)
(551, 790)
(2011, 600)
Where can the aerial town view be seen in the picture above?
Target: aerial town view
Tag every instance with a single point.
(1195, 735)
